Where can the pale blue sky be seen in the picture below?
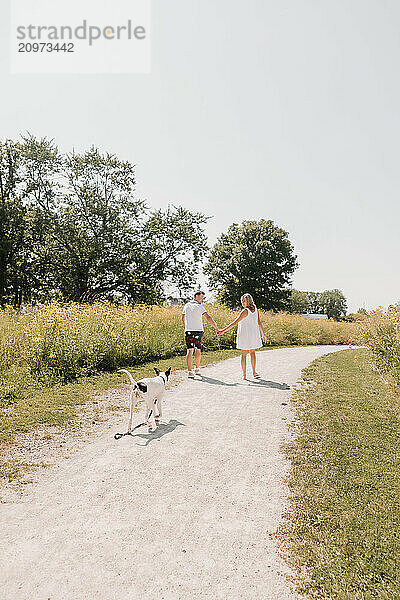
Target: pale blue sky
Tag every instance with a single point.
(284, 110)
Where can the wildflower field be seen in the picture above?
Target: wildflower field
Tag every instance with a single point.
(61, 343)
(56, 358)
(381, 333)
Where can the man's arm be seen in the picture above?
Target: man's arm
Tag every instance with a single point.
(211, 321)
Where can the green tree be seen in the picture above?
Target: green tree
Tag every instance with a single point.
(172, 245)
(315, 304)
(42, 174)
(95, 229)
(255, 257)
(12, 216)
(110, 246)
(299, 302)
(334, 303)
(72, 228)
(27, 171)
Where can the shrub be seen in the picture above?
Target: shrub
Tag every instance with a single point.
(382, 335)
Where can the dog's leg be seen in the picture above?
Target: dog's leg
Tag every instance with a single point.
(159, 409)
(147, 416)
(132, 402)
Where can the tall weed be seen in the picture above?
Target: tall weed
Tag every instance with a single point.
(63, 342)
(382, 335)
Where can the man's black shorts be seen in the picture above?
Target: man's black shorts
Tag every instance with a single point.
(194, 339)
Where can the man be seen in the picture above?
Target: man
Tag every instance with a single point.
(192, 318)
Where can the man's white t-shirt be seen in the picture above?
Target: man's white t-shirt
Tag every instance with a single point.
(193, 312)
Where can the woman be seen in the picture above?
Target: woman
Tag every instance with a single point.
(248, 333)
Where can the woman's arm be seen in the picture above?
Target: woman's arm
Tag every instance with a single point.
(263, 336)
(241, 316)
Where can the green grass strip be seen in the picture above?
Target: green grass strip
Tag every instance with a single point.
(343, 525)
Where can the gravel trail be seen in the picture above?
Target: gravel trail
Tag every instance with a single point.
(186, 512)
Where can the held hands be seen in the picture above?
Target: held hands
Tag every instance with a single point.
(264, 337)
(219, 331)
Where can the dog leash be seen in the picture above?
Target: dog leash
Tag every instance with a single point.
(118, 436)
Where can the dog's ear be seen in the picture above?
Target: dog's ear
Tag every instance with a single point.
(168, 372)
(157, 371)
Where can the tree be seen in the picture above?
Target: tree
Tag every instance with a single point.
(96, 228)
(299, 302)
(110, 246)
(330, 302)
(27, 171)
(173, 243)
(12, 215)
(42, 175)
(255, 257)
(315, 304)
(334, 303)
(72, 228)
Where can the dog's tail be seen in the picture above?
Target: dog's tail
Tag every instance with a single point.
(133, 382)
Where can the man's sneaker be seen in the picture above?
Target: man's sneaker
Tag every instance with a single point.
(190, 374)
(197, 371)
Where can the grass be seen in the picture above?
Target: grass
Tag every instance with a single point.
(342, 527)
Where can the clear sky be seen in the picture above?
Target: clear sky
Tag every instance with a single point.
(284, 110)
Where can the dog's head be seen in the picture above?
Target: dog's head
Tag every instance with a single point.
(166, 373)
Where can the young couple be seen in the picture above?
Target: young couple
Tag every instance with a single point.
(248, 337)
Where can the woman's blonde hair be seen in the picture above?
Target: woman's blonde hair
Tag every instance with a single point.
(250, 300)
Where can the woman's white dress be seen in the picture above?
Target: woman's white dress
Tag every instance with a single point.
(248, 333)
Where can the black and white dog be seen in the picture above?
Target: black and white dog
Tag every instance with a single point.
(151, 389)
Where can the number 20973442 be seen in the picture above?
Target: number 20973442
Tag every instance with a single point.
(45, 47)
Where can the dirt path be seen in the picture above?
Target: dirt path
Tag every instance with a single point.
(186, 512)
